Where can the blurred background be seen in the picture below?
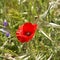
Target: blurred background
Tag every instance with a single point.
(46, 43)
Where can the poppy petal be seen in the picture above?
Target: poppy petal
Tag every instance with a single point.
(27, 27)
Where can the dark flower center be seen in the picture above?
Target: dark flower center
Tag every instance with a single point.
(28, 33)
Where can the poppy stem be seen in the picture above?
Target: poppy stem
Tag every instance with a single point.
(24, 47)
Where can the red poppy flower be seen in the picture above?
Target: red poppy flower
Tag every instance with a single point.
(26, 32)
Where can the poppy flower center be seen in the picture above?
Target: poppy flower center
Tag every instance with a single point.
(27, 33)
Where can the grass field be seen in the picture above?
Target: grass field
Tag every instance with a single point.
(45, 45)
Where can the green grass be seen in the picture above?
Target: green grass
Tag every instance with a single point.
(46, 43)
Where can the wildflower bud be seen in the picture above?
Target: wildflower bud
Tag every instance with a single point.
(7, 34)
(5, 23)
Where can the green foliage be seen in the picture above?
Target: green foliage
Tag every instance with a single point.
(46, 43)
